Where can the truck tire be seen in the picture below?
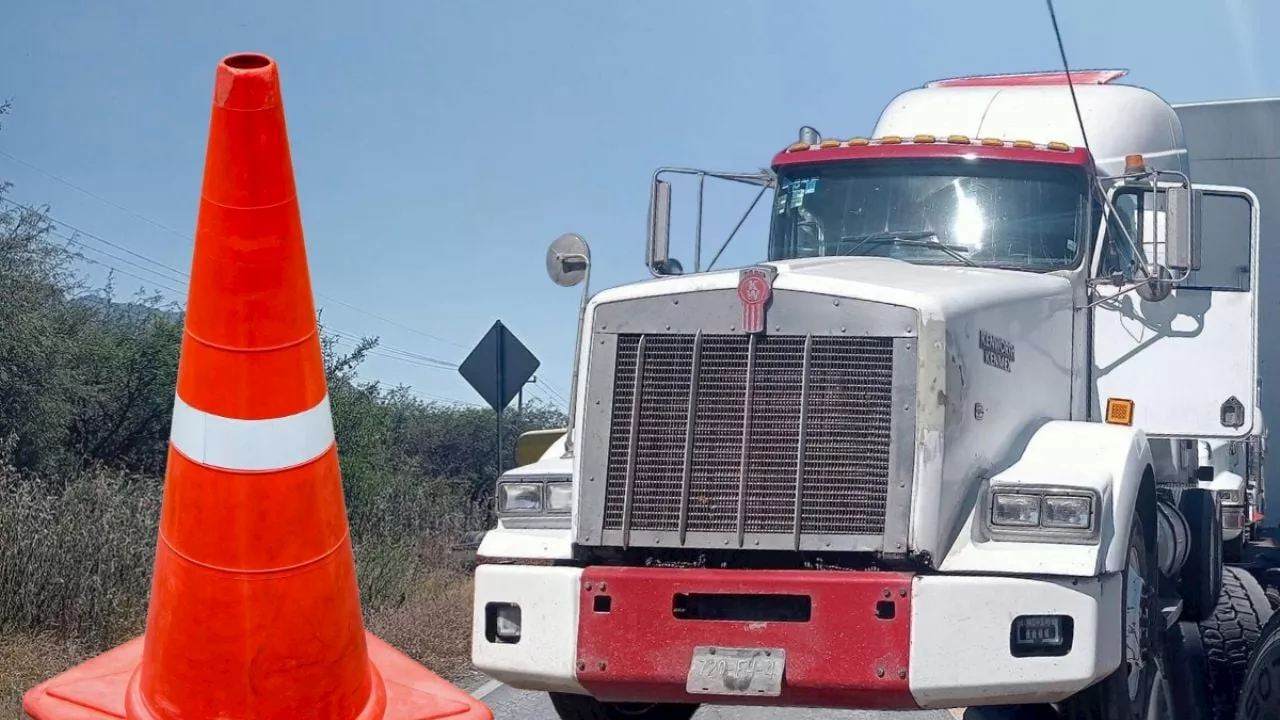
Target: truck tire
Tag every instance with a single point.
(585, 707)
(1233, 550)
(1229, 637)
(1260, 692)
(1200, 582)
(1111, 698)
(1186, 662)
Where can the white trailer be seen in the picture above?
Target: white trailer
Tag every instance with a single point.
(941, 448)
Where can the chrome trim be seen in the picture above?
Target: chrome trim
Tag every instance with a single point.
(635, 443)
(744, 462)
(701, 314)
(1041, 534)
(803, 434)
(688, 437)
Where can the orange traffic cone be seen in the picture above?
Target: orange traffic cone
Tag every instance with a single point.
(254, 607)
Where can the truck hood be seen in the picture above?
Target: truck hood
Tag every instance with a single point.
(935, 290)
(994, 360)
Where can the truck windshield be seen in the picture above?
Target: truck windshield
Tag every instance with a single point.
(992, 213)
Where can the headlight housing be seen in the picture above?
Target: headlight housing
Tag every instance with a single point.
(519, 497)
(1042, 513)
(523, 496)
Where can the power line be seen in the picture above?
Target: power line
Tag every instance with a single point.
(72, 240)
(388, 351)
(184, 277)
(189, 238)
(552, 392)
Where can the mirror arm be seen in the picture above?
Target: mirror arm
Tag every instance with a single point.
(741, 220)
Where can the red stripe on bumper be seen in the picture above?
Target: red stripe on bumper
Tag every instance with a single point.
(851, 653)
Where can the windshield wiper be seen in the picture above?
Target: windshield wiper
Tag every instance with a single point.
(913, 238)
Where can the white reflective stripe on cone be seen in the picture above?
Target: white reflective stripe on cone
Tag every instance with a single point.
(252, 445)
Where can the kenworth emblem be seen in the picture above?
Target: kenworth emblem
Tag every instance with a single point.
(755, 287)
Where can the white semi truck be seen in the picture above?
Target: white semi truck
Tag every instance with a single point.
(945, 446)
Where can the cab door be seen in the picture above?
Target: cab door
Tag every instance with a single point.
(1188, 362)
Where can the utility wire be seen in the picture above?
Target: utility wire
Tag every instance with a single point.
(187, 237)
(387, 351)
(391, 352)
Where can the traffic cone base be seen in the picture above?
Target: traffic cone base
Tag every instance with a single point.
(254, 611)
(101, 688)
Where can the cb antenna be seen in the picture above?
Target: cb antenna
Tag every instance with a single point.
(1066, 67)
(1084, 136)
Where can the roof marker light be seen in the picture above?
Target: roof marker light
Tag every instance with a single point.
(1059, 146)
(829, 144)
(798, 147)
(1023, 144)
(890, 140)
(992, 142)
(958, 139)
(858, 142)
(924, 139)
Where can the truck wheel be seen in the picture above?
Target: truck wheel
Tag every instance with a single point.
(1229, 637)
(1185, 655)
(1233, 550)
(1260, 696)
(1273, 597)
(1200, 582)
(1138, 689)
(585, 707)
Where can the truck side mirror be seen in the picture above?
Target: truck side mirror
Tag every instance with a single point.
(659, 247)
(1181, 229)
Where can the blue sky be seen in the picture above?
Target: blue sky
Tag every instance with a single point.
(440, 146)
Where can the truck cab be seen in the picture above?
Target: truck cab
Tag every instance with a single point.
(949, 414)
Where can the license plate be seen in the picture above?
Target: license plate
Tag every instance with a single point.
(736, 671)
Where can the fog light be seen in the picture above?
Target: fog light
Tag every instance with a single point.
(502, 623)
(1041, 635)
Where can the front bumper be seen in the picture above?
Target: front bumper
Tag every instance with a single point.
(871, 640)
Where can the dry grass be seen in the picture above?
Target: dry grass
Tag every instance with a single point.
(75, 573)
(26, 660)
(433, 626)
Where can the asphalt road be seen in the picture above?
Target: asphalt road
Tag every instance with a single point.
(510, 704)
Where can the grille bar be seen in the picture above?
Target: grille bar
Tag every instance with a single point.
(748, 386)
(637, 407)
(688, 437)
(738, 437)
(802, 437)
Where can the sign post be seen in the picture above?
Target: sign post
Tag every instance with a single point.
(498, 368)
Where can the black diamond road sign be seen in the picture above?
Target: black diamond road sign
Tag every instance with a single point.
(498, 367)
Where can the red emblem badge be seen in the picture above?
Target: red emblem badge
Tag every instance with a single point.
(755, 287)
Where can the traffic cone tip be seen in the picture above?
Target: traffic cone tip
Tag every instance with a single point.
(246, 81)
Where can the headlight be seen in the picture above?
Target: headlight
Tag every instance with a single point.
(1042, 513)
(519, 497)
(552, 495)
(559, 496)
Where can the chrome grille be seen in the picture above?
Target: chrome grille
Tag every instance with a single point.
(812, 412)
